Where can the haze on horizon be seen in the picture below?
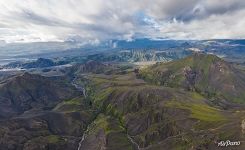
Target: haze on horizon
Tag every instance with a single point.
(98, 20)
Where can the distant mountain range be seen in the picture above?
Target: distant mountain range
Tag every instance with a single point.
(131, 56)
(231, 50)
(39, 63)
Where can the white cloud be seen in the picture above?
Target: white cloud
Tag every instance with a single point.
(57, 20)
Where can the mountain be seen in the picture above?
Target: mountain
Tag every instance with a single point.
(140, 55)
(28, 91)
(182, 104)
(39, 63)
(59, 128)
(147, 43)
(97, 67)
(41, 113)
(90, 66)
(135, 114)
(232, 50)
(208, 75)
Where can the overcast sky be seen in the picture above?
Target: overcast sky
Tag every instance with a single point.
(98, 20)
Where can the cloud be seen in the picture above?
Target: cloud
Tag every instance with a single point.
(58, 20)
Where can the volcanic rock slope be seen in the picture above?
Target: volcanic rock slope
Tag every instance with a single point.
(168, 106)
(205, 74)
(27, 91)
(41, 113)
(192, 103)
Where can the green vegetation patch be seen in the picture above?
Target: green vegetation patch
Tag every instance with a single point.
(98, 81)
(199, 111)
(75, 101)
(101, 96)
(71, 105)
(209, 117)
(107, 123)
(197, 96)
(111, 110)
(53, 138)
(206, 113)
(115, 133)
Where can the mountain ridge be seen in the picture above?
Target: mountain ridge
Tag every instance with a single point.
(206, 74)
(27, 91)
